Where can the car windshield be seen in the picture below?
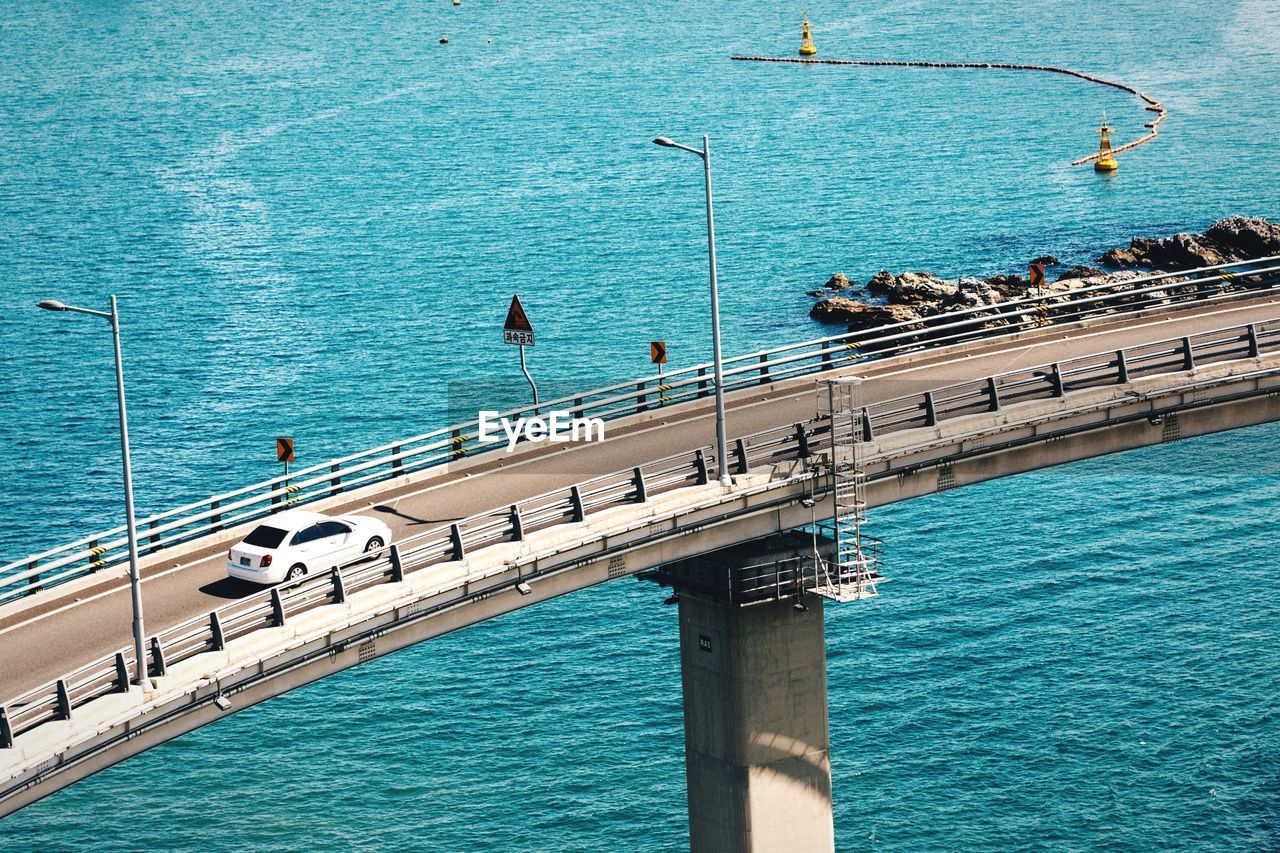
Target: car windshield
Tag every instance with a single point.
(265, 537)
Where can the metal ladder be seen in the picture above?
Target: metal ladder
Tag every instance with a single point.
(850, 575)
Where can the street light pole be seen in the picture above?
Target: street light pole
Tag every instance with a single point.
(135, 582)
(722, 447)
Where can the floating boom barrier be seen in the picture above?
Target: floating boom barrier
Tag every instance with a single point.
(1152, 105)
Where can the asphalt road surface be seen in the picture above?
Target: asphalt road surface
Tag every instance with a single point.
(47, 636)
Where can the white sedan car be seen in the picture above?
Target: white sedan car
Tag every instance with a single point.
(295, 542)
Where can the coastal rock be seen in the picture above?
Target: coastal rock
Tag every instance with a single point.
(1122, 258)
(976, 293)
(1010, 286)
(1233, 239)
(1184, 251)
(1246, 236)
(880, 282)
(913, 287)
(912, 296)
(1082, 271)
(1066, 285)
(860, 315)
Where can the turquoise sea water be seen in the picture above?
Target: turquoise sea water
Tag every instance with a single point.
(319, 213)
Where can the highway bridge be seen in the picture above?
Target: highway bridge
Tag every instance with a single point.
(952, 400)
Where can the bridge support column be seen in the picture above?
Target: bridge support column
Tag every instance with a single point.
(757, 752)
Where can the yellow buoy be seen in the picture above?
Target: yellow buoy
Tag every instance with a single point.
(1106, 161)
(806, 38)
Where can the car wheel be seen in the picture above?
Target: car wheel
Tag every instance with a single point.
(296, 571)
(374, 544)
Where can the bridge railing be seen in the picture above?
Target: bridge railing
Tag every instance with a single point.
(1042, 382)
(259, 500)
(450, 542)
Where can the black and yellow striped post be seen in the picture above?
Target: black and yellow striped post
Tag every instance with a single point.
(658, 356)
(1042, 314)
(1225, 280)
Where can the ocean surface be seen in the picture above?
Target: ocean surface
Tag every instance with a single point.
(318, 214)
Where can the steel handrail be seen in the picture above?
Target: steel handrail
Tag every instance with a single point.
(687, 383)
(193, 636)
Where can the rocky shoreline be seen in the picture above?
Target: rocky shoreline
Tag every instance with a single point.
(912, 296)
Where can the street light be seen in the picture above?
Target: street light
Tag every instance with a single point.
(722, 452)
(140, 677)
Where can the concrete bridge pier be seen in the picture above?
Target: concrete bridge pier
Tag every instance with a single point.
(754, 676)
(757, 752)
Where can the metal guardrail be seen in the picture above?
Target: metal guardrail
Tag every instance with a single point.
(57, 700)
(385, 462)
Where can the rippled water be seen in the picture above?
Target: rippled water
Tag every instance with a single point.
(320, 213)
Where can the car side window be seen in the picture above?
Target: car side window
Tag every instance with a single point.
(307, 534)
(334, 528)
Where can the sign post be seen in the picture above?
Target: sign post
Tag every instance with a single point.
(1037, 275)
(284, 453)
(1036, 286)
(518, 330)
(658, 356)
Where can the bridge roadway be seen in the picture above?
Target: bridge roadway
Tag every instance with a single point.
(47, 635)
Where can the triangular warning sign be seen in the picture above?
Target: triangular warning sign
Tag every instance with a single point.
(517, 320)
